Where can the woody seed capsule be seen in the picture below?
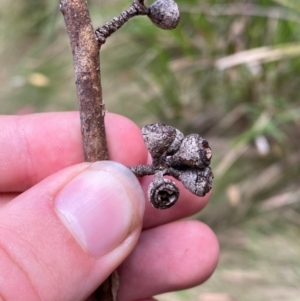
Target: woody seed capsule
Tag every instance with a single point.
(158, 138)
(164, 14)
(194, 151)
(197, 181)
(163, 193)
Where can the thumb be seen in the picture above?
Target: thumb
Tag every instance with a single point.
(62, 238)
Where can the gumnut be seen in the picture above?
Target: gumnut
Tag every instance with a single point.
(164, 14)
(158, 138)
(194, 151)
(197, 181)
(162, 193)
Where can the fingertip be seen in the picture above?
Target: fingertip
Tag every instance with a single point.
(171, 257)
(193, 255)
(204, 251)
(106, 195)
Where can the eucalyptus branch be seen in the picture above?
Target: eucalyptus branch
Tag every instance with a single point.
(85, 50)
(86, 59)
(137, 8)
(86, 44)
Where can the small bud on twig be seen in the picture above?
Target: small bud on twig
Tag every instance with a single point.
(164, 14)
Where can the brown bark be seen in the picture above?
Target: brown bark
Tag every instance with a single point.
(86, 59)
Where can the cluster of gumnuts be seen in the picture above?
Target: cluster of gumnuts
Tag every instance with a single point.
(186, 159)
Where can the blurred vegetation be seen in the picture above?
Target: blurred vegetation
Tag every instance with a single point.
(230, 71)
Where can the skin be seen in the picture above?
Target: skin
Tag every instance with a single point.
(34, 149)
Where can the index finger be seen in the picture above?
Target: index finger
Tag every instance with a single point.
(37, 145)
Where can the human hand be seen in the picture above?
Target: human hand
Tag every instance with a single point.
(66, 225)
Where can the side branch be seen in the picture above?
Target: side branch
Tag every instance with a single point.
(86, 59)
(136, 9)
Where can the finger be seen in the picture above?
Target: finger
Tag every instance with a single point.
(6, 197)
(188, 204)
(60, 239)
(92, 298)
(35, 146)
(167, 258)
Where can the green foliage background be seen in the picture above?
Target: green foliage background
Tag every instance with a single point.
(230, 72)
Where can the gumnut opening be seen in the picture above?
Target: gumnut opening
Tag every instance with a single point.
(163, 193)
